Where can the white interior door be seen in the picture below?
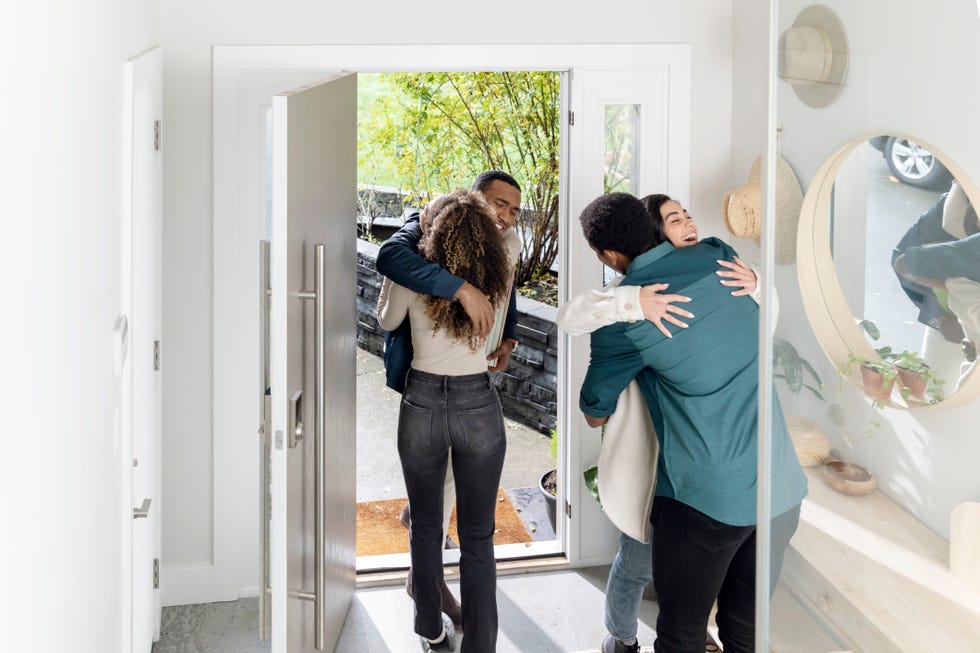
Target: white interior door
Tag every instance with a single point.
(631, 133)
(144, 78)
(313, 263)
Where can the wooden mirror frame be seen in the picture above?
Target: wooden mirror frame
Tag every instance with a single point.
(823, 299)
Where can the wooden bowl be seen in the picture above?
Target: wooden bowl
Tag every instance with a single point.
(848, 478)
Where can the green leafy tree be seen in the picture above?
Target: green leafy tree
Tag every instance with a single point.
(439, 130)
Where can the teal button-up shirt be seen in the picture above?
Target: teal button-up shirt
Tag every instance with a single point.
(701, 387)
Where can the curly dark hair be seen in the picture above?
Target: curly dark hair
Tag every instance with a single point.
(462, 236)
(652, 204)
(617, 222)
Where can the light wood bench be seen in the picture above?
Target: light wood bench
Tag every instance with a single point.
(877, 576)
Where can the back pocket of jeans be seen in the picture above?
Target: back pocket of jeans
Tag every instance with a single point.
(483, 428)
(414, 425)
(711, 534)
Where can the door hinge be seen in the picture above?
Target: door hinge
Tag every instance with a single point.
(157, 136)
(156, 573)
(156, 355)
(568, 509)
(571, 117)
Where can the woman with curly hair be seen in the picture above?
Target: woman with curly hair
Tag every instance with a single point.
(450, 412)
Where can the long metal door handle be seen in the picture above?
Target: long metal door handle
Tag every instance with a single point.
(319, 446)
(143, 511)
(266, 432)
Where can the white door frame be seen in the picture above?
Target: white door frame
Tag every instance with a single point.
(237, 412)
(137, 339)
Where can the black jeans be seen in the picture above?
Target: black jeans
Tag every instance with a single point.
(461, 414)
(697, 559)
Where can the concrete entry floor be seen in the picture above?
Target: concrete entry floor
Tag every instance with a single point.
(380, 619)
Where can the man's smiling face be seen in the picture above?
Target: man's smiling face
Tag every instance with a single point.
(504, 201)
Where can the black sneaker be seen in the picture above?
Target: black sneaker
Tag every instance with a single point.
(612, 645)
(448, 642)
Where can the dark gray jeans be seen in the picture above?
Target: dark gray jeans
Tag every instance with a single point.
(697, 559)
(461, 414)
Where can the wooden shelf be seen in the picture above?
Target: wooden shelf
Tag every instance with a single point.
(878, 576)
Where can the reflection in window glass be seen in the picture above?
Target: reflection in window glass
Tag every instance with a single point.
(620, 169)
(621, 164)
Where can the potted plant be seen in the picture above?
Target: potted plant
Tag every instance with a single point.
(878, 378)
(877, 374)
(548, 485)
(917, 378)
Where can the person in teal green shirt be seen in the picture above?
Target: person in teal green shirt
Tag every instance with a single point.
(701, 387)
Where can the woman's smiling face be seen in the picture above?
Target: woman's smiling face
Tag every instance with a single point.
(679, 226)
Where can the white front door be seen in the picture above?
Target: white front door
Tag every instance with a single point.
(144, 210)
(631, 133)
(312, 360)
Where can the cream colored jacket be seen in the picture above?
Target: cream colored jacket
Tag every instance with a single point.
(628, 458)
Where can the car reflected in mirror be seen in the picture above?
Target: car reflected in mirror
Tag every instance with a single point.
(912, 164)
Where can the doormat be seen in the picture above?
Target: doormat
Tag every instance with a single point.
(379, 532)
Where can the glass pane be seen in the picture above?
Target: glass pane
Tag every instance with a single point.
(869, 344)
(267, 172)
(621, 164)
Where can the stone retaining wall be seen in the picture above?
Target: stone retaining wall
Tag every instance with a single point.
(528, 387)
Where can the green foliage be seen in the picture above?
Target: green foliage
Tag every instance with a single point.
(793, 368)
(553, 446)
(875, 363)
(592, 482)
(913, 362)
(436, 131)
(621, 139)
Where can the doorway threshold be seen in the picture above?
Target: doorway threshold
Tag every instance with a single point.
(511, 567)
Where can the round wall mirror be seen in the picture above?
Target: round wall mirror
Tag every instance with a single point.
(888, 254)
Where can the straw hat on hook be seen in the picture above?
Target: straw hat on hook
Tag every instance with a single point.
(742, 209)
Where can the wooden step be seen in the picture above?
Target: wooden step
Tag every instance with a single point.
(878, 575)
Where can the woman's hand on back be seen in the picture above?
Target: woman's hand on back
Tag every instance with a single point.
(658, 307)
(738, 275)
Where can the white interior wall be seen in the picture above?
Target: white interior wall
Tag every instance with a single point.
(925, 460)
(190, 28)
(61, 122)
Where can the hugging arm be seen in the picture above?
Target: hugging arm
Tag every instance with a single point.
(614, 363)
(399, 260)
(595, 309)
(393, 301)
